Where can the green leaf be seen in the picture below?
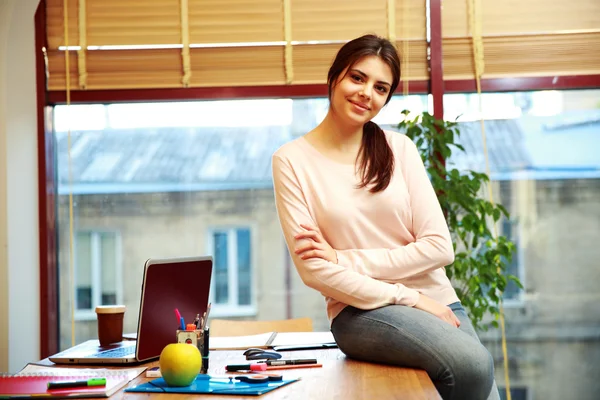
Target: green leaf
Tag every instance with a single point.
(497, 214)
(503, 210)
(515, 280)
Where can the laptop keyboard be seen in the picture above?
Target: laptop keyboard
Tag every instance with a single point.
(115, 353)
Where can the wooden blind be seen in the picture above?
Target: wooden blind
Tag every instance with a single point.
(411, 20)
(337, 20)
(524, 38)
(235, 21)
(233, 42)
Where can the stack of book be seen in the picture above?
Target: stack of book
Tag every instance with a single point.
(34, 380)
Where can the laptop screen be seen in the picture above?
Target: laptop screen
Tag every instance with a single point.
(182, 283)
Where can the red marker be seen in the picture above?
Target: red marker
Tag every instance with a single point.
(180, 320)
(246, 367)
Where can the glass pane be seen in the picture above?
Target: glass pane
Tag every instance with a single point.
(544, 164)
(515, 393)
(162, 175)
(108, 268)
(83, 271)
(243, 262)
(221, 275)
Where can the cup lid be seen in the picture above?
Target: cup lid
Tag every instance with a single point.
(110, 309)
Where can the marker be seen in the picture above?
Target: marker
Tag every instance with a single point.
(74, 384)
(246, 367)
(290, 362)
(179, 319)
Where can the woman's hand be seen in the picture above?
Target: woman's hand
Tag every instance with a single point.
(316, 246)
(439, 310)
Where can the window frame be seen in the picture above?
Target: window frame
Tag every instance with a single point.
(95, 243)
(518, 232)
(519, 300)
(45, 99)
(232, 309)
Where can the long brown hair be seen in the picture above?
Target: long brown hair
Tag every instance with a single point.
(375, 158)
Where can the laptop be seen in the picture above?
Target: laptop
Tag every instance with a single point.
(167, 284)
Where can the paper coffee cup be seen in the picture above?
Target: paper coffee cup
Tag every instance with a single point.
(110, 324)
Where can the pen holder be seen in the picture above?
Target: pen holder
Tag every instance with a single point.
(199, 339)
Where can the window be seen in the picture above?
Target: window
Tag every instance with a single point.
(97, 272)
(194, 178)
(231, 286)
(545, 169)
(516, 393)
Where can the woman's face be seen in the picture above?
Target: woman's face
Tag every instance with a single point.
(361, 90)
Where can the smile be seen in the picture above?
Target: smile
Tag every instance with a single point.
(360, 106)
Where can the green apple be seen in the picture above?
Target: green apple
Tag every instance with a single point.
(180, 363)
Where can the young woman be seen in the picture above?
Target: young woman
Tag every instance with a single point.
(364, 228)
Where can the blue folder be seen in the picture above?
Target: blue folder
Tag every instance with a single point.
(205, 384)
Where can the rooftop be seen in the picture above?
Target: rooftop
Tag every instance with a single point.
(221, 158)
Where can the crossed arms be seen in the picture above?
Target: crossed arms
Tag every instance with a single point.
(359, 276)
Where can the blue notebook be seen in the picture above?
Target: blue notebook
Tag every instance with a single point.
(204, 384)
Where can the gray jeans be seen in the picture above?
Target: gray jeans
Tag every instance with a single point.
(459, 365)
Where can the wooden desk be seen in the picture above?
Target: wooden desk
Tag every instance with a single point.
(339, 378)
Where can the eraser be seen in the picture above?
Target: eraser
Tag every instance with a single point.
(153, 372)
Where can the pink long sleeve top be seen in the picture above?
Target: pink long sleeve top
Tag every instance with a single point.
(391, 245)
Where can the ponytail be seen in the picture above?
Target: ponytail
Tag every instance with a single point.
(375, 159)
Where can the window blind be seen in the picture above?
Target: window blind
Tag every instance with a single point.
(232, 42)
(524, 38)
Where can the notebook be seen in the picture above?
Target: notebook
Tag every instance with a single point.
(277, 340)
(182, 283)
(205, 384)
(33, 380)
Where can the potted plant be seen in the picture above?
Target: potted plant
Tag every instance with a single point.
(478, 272)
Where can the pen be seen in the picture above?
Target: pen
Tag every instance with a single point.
(205, 317)
(290, 362)
(205, 342)
(74, 384)
(205, 350)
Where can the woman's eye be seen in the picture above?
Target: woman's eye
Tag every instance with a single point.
(356, 78)
(381, 89)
